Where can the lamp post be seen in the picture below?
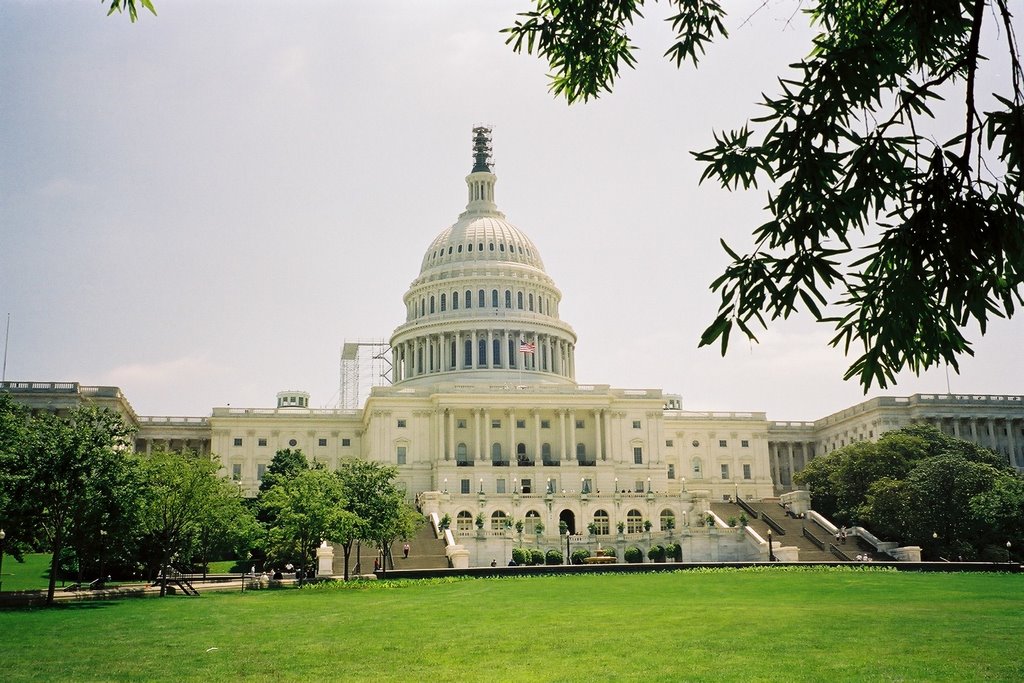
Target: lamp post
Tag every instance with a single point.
(771, 553)
(1008, 545)
(3, 535)
(568, 558)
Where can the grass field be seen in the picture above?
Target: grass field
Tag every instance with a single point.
(769, 624)
(32, 574)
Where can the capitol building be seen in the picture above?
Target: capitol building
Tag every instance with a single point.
(484, 420)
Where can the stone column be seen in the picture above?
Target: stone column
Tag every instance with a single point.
(956, 427)
(487, 435)
(561, 434)
(474, 359)
(789, 453)
(451, 432)
(1013, 445)
(598, 450)
(572, 435)
(505, 355)
(606, 418)
(439, 422)
(773, 456)
(511, 435)
(476, 434)
(490, 349)
(536, 435)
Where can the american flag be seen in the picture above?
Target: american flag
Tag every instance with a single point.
(527, 347)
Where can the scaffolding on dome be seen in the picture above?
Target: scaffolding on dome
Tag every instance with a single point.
(364, 364)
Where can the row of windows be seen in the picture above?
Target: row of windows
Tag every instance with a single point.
(292, 443)
(633, 523)
(499, 247)
(722, 443)
(698, 470)
(496, 424)
(524, 301)
(462, 454)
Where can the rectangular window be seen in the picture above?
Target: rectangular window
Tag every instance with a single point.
(261, 442)
(638, 486)
(401, 423)
(460, 424)
(545, 424)
(722, 443)
(579, 424)
(744, 443)
(322, 442)
(464, 486)
(636, 424)
(401, 455)
(238, 441)
(671, 471)
(725, 471)
(588, 486)
(261, 469)
(746, 471)
(638, 455)
(669, 443)
(346, 442)
(527, 485)
(520, 424)
(500, 486)
(236, 472)
(495, 424)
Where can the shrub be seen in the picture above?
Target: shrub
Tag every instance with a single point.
(621, 526)
(732, 521)
(633, 554)
(480, 521)
(579, 555)
(446, 522)
(656, 553)
(536, 556)
(520, 556)
(743, 520)
(553, 557)
(677, 552)
(647, 525)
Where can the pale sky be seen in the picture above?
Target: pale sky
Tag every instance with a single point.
(201, 207)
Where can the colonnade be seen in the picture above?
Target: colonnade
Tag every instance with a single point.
(994, 433)
(475, 429)
(483, 349)
(784, 459)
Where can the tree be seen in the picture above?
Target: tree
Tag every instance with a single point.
(67, 478)
(306, 509)
(380, 508)
(132, 6)
(227, 525)
(286, 464)
(180, 492)
(851, 149)
(14, 427)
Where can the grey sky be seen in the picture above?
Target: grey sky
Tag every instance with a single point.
(201, 207)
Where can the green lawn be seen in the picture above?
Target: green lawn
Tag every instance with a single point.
(769, 624)
(32, 574)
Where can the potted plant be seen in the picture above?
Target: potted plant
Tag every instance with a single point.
(647, 525)
(445, 523)
(732, 522)
(710, 521)
(519, 526)
(480, 520)
(563, 528)
(592, 528)
(621, 526)
(538, 528)
(743, 520)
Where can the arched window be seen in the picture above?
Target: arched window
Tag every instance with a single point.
(481, 301)
(481, 359)
(496, 353)
(454, 361)
(496, 454)
(545, 453)
(460, 249)
(530, 524)
(431, 303)
(455, 301)
(508, 299)
(521, 453)
(461, 454)
(601, 521)
(668, 520)
(443, 307)
(519, 300)
(464, 521)
(581, 452)
(540, 304)
(531, 301)
(698, 469)
(480, 246)
(419, 362)
(491, 246)
(494, 298)
(498, 520)
(470, 247)
(469, 299)
(511, 353)
(423, 307)
(634, 522)
(467, 362)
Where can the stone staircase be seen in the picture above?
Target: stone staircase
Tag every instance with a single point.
(425, 552)
(809, 551)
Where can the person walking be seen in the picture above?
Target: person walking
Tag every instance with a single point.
(405, 551)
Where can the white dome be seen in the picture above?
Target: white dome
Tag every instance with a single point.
(476, 238)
